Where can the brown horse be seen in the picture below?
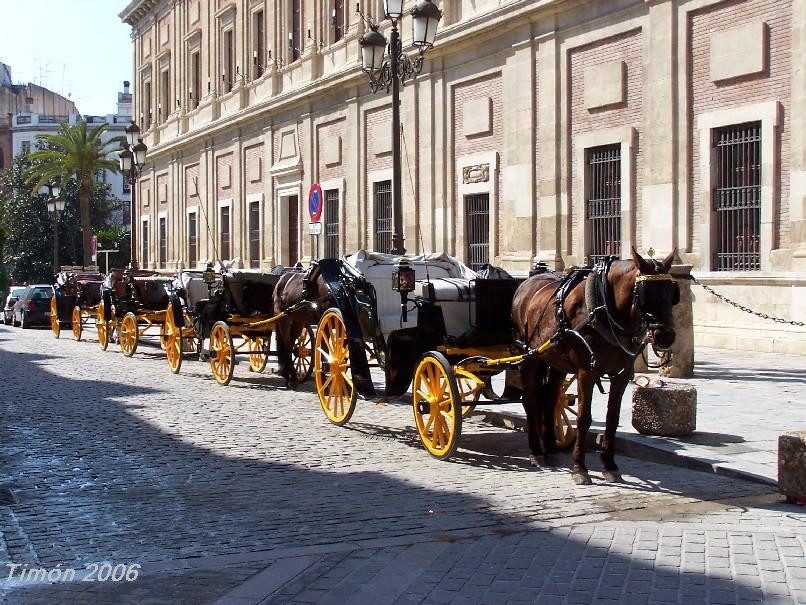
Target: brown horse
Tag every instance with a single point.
(596, 327)
(289, 291)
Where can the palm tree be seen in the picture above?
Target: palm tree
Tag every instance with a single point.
(74, 153)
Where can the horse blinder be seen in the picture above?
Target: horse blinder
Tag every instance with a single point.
(651, 292)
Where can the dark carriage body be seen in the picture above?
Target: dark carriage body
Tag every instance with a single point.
(133, 291)
(452, 309)
(242, 295)
(76, 288)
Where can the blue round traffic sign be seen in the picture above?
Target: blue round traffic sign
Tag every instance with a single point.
(315, 202)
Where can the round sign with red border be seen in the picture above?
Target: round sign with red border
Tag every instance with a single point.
(315, 202)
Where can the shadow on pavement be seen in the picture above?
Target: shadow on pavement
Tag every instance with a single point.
(95, 481)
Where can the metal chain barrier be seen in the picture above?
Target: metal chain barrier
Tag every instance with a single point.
(732, 303)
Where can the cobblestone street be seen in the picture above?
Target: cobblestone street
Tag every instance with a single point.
(246, 494)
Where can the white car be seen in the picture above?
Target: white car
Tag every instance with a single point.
(13, 296)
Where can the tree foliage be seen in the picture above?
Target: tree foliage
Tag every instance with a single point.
(74, 153)
(27, 254)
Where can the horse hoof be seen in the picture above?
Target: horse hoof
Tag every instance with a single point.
(613, 477)
(581, 478)
(537, 460)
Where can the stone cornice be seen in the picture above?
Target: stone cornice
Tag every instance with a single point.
(137, 9)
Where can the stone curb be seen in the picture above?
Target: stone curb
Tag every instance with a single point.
(634, 446)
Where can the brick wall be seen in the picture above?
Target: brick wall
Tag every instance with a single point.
(486, 87)
(378, 123)
(328, 134)
(488, 91)
(627, 48)
(224, 176)
(144, 195)
(707, 96)
(254, 167)
(191, 173)
(162, 190)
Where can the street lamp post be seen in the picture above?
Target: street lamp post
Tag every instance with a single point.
(392, 73)
(55, 207)
(132, 158)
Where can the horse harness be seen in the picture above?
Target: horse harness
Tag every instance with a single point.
(600, 303)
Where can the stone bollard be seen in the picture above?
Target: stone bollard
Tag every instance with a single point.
(792, 465)
(670, 410)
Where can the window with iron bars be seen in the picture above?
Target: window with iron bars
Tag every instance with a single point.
(603, 202)
(293, 230)
(144, 246)
(477, 236)
(383, 215)
(332, 223)
(193, 240)
(737, 197)
(163, 242)
(225, 234)
(254, 234)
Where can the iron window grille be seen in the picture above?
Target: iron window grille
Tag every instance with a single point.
(383, 215)
(293, 230)
(163, 243)
(332, 223)
(296, 30)
(477, 209)
(225, 233)
(193, 240)
(737, 197)
(603, 202)
(254, 234)
(144, 239)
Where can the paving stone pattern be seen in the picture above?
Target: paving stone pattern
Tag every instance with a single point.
(112, 459)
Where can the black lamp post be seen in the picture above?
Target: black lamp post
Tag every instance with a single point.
(55, 204)
(132, 158)
(393, 73)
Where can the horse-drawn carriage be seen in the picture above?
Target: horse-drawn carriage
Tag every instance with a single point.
(459, 330)
(76, 292)
(237, 316)
(133, 302)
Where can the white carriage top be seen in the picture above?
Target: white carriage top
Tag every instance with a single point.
(450, 281)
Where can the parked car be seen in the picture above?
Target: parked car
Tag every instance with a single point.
(14, 294)
(33, 307)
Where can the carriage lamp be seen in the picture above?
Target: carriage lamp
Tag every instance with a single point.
(209, 276)
(403, 282)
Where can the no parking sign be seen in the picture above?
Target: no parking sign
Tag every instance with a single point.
(315, 202)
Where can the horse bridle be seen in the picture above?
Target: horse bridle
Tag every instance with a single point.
(641, 295)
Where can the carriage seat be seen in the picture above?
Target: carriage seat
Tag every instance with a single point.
(456, 297)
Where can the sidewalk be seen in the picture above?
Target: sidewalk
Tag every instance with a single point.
(745, 400)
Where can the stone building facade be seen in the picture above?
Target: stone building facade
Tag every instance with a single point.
(539, 130)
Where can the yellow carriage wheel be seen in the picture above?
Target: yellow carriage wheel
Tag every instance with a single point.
(75, 323)
(302, 355)
(103, 326)
(55, 326)
(469, 387)
(565, 415)
(163, 335)
(173, 341)
(222, 353)
(258, 356)
(188, 333)
(129, 334)
(332, 373)
(437, 405)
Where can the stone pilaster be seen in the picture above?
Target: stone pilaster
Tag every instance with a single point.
(550, 185)
(659, 189)
(797, 188)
